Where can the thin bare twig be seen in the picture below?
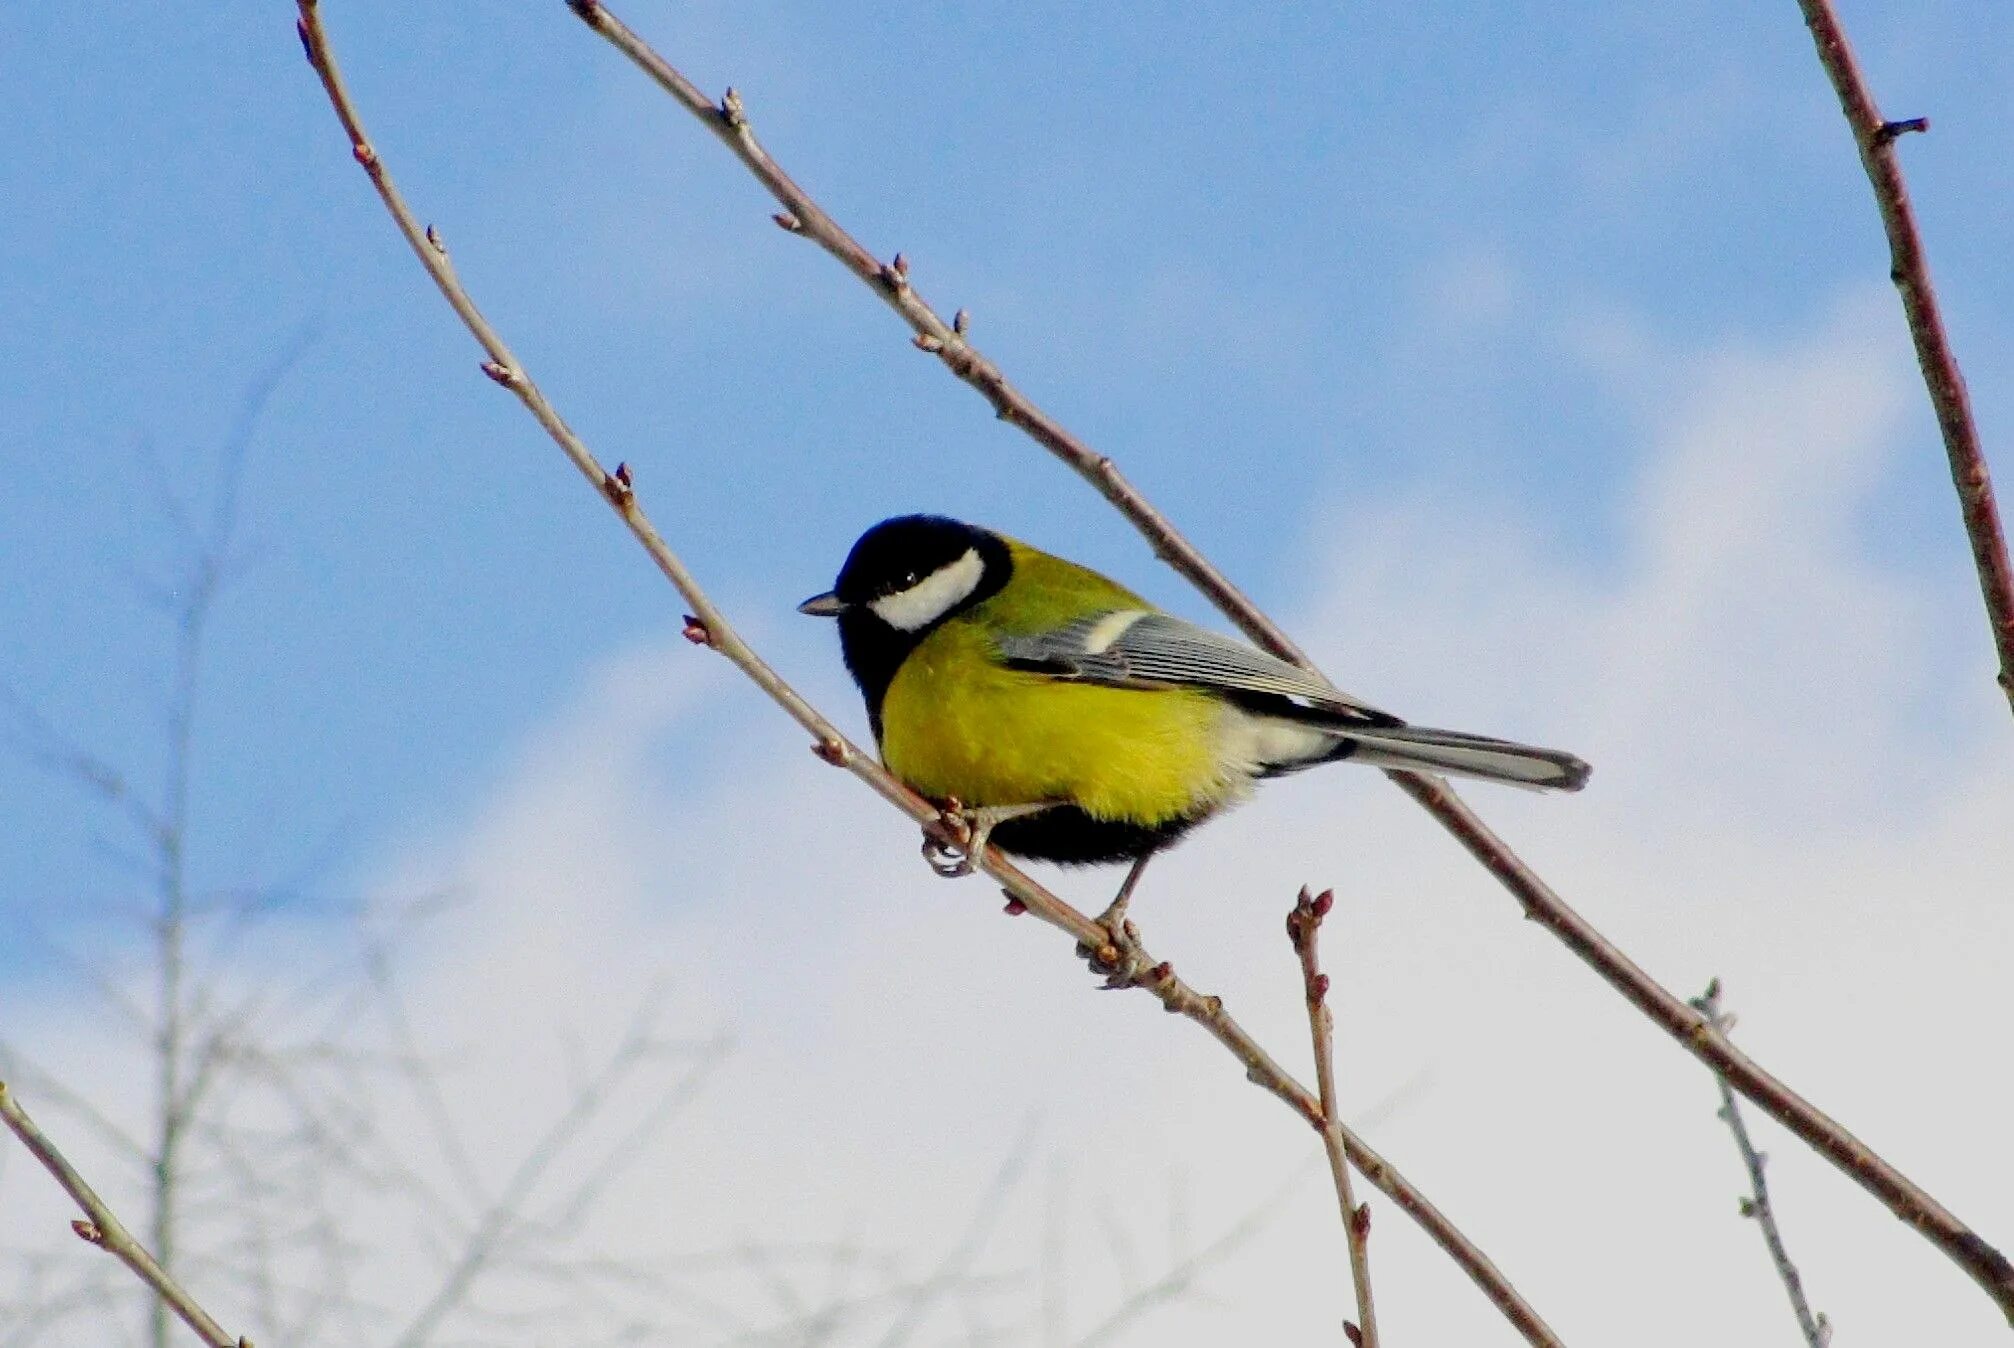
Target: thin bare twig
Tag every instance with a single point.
(103, 1228)
(1816, 1328)
(1909, 268)
(495, 1226)
(1180, 1278)
(1902, 1196)
(709, 626)
(1304, 927)
(984, 1216)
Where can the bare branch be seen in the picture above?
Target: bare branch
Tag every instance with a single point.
(1816, 1328)
(710, 627)
(1304, 927)
(1909, 268)
(984, 1215)
(1897, 1192)
(103, 1228)
(728, 121)
(49, 749)
(496, 1224)
(1179, 1278)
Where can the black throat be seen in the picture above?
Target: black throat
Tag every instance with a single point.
(873, 650)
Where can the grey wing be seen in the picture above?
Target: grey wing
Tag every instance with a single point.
(1140, 648)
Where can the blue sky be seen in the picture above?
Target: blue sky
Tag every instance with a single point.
(1438, 280)
(1204, 241)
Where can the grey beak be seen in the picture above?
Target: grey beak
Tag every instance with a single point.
(827, 605)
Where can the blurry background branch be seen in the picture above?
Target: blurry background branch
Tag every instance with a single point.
(1876, 138)
(728, 120)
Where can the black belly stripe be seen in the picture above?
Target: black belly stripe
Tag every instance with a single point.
(1068, 835)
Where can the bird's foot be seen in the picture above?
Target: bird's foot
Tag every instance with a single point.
(1122, 938)
(969, 829)
(1118, 958)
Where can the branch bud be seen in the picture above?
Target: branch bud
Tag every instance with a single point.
(1887, 132)
(616, 486)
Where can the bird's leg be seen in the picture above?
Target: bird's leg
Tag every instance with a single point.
(1113, 919)
(1120, 961)
(978, 824)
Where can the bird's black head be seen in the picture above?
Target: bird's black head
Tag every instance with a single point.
(904, 577)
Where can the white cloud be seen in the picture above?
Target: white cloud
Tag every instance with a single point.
(1761, 810)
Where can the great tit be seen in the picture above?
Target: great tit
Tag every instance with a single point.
(1073, 721)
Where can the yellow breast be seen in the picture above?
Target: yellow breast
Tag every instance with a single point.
(955, 723)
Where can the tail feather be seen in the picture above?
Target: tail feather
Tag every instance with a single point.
(1424, 749)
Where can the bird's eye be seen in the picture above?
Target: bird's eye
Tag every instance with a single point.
(909, 578)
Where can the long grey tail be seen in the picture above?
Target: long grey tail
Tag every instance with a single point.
(1424, 749)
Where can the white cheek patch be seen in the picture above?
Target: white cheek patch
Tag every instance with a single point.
(932, 597)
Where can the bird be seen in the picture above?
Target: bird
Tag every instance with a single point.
(1064, 718)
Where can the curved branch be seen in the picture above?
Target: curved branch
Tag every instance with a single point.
(1910, 270)
(1902, 1196)
(709, 626)
(103, 1228)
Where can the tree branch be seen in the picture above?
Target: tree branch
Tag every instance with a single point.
(1900, 1195)
(1817, 1329)
(709, 626)
(104, 1229)
(1304, 926)
(1909, 268)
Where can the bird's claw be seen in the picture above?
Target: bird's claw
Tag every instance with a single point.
(947, 859)
(953, 849)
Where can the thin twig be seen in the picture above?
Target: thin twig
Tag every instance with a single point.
(1909, 268)
(984, 1216)
(709, 626)
(103, 1228)
(494, 1227)
(1180, 1278)
(1304, 927)
(1897, 1192)
(1816, 1328)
